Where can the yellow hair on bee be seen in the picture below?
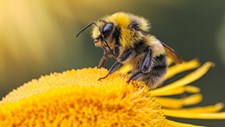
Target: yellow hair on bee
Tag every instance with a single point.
(144, 24)
(95, 32)
(123, 20)
(154, 42)
(120, 18)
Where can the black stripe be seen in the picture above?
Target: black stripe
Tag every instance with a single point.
(140, 46)
(160, 65)
(126, 54)
(116, 35)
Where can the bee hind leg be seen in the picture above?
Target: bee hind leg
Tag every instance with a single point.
(145, 66)
(135, 76)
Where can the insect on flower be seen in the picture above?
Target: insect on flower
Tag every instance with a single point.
(125, 37)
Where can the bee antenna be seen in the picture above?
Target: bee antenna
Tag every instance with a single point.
(85, 28)
(107, 45)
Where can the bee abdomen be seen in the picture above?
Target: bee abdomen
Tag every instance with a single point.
(160, 63)
(156, 76)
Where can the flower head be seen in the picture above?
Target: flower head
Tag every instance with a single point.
(77, 98)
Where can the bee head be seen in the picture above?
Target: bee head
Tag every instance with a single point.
(101, 33)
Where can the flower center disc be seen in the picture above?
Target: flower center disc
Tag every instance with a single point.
(77, 98)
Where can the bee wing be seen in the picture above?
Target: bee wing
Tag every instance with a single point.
(172, 54)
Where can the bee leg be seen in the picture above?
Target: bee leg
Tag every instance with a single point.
(117, 50)
(104, 58)
(114, 67)
(102, 61)
(145, 66)
(135, 76)
(117, 64)
(106, 54)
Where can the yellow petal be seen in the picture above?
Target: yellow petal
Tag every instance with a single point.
(178, 103)
(173, 70)
(177, 124)
(179, 90)
(190, 115)
(125, 68)
(169, 102)
(204, 109)
(185, 80)
(192, 89)
(169, 61)
(193, 99)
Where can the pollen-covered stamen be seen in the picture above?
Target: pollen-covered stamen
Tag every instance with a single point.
(76, 98)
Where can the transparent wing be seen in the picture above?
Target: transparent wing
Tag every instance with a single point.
(172, 54)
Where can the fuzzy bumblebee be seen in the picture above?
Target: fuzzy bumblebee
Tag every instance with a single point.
(125, 37)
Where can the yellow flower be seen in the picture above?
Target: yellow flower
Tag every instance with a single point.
(77, 98)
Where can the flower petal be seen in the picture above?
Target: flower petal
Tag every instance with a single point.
(193, 99)
(179, 90)
(191, 115)
(169, 61)
(185, 80)
(204, 109)
(125, 69)
(192, 89)
(177, 124)
(178, 103)
(173, 70)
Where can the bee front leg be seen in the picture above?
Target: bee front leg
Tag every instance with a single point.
(114, 67)
(104, 58)
(106, 55)
(118, 63)
(102, 61)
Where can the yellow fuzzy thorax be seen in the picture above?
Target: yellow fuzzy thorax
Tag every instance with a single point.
(122, 20)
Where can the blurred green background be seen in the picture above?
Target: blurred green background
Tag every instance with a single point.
(37, 37)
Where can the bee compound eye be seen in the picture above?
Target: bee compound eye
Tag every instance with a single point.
(107, 28)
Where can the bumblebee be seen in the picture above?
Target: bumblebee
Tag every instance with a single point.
(126, 38)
